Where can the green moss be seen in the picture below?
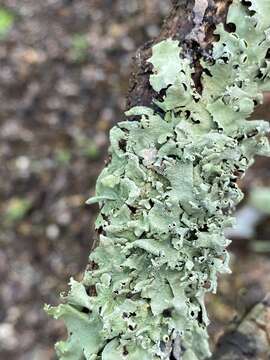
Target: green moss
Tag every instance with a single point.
(17, 209)
(6, 21)
(79, 48)
(91, 151)
(165, 199)
(63, 157)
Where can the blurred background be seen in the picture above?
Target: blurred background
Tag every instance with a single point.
(64, 68)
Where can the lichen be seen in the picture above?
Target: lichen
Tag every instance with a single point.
(166, 197)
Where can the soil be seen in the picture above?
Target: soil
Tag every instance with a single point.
(64, 69)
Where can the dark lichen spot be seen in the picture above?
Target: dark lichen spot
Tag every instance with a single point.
(167, 313)
(230, 27)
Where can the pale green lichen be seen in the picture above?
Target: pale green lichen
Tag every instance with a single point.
(166, 197)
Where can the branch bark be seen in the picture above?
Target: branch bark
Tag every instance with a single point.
(192, 23)
(250, 338)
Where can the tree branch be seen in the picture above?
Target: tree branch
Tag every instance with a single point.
(134, 278)
(249, 339)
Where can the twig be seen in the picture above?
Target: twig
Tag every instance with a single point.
(249, 339)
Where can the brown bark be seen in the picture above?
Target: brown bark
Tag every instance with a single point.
(192, 23)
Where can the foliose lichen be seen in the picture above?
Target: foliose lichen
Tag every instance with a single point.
(166, 197)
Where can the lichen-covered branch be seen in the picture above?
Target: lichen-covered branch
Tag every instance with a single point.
(168, 193)
(192, 23)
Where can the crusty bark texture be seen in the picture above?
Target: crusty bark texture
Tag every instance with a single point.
(192, 22)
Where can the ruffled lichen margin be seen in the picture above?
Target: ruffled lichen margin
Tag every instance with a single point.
(166, 197)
